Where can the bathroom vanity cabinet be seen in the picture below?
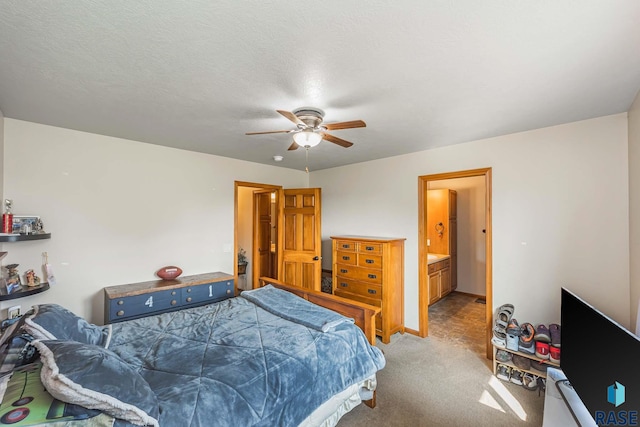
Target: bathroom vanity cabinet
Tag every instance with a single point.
(439, 279)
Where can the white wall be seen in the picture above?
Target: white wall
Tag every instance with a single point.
(634, 208)
(470, 222)
(560, 213)
(118, 210)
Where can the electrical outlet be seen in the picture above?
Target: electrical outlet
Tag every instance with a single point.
(13, 312)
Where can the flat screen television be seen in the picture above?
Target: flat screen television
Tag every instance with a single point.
(601, 360)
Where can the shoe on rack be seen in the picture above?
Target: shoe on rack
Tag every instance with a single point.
(503, 372)
(542, 334)
(539, 365)
(554, 331)
(530, 381)
(516, 377)
(512, 342)
(525, 342)
(504, 312)
(554, 354)
(521, 362)
(499, 338)
(513, 327)
(542, 350)
(503, 356)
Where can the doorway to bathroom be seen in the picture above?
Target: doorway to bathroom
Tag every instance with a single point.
(455, 274)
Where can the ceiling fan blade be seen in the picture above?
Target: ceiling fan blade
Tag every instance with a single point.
(293, 146)
(335, 140)
(345, 125)
(271, 131)
(289, 115)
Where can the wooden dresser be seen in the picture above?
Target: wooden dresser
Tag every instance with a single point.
(371, 270)
(125, 302)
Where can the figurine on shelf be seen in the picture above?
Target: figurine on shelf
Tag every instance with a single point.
(32, 279)
(38, 227)
(13, 278)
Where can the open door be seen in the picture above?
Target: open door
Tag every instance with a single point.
(301, 248)
(264, 248)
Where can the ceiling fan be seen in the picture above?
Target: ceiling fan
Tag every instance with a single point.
(310, 130)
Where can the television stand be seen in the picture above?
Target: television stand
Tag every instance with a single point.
(562, 406)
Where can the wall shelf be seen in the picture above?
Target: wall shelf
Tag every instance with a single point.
(23, 237)
(24, 291)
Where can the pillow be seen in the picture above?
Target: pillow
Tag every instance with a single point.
(53, 322)
(96, 378)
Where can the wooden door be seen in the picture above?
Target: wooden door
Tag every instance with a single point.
(301, 238)
(261, 236)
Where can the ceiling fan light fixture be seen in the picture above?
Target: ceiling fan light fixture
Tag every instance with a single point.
(307, 138)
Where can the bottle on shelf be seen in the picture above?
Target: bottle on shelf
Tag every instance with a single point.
(7, 217)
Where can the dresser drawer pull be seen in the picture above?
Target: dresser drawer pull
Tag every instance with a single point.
(346, 258)
(346, 246)
(371, 276)
(173, 302)
(344, 285)
(189, 299)
(120, 302)
(344, 270)
(368, 248)
(369, 261)
(371, 291)
(120, 313)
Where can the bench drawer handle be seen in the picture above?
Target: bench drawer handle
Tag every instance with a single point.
(120, 313)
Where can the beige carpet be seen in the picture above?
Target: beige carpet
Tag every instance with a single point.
(429, 382)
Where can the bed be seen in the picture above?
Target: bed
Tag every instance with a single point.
(274, 356)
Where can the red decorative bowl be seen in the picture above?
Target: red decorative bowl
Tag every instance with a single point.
(169, 273)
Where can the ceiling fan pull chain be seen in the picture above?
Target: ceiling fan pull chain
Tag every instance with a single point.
(306, 161)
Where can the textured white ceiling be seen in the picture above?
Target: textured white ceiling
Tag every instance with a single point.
(199, 74)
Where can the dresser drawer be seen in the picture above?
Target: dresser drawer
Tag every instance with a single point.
(368, 290)
(349, 258)
(143, 304)
(370, 261)
(207, 292)
(345, 245)
(359, 273)
(370, 248)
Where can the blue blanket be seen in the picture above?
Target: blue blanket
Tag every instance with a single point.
(235, 363)
(293, 308)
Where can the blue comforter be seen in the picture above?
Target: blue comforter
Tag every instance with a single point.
(235, 363)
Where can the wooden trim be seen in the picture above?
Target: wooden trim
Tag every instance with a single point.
(423, 277)
(412, 331)
(483, 297)
(363, 314)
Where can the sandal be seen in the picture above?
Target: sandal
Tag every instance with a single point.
(499, 338)
(505, 311)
